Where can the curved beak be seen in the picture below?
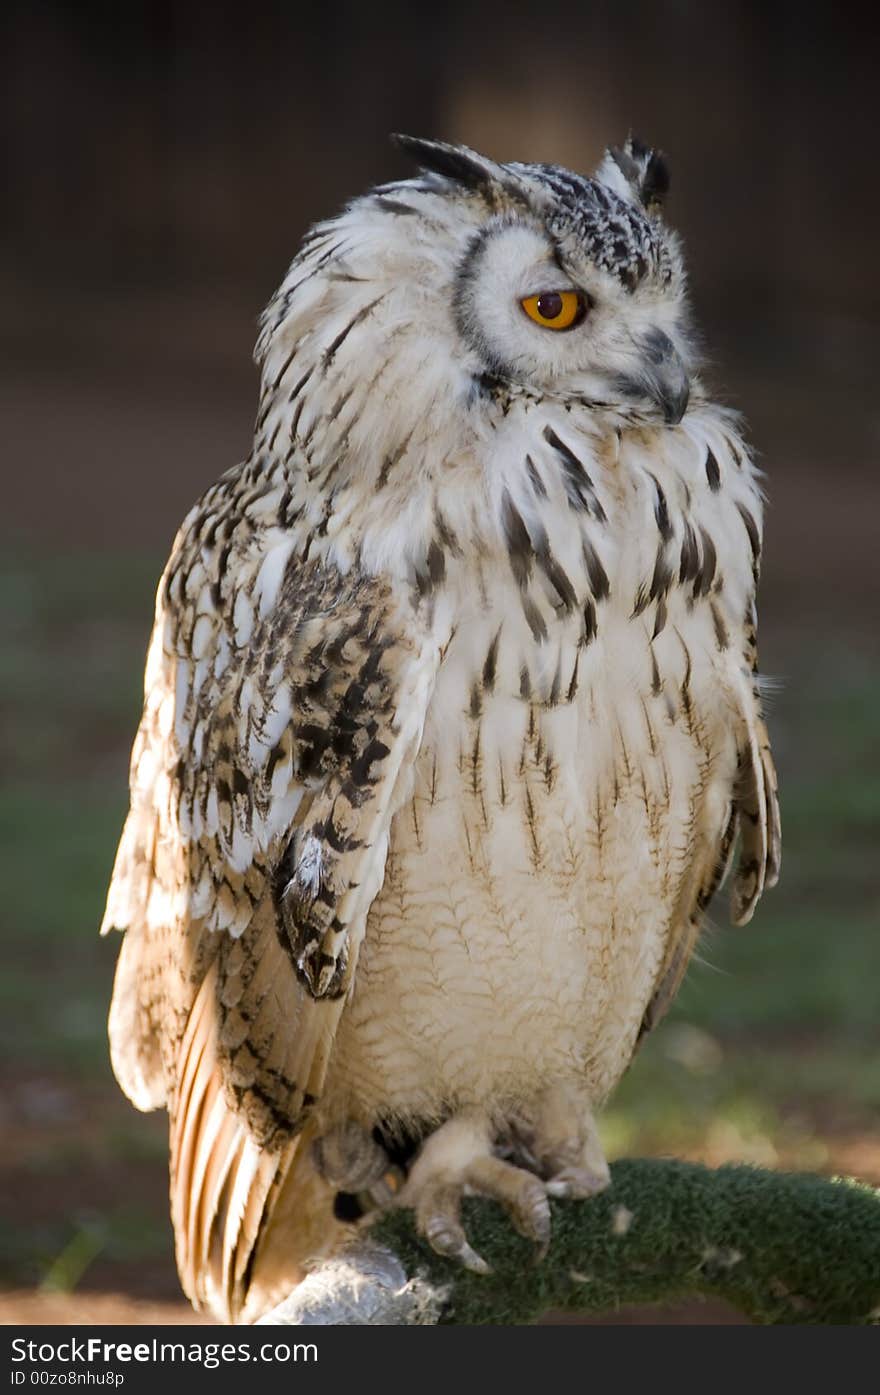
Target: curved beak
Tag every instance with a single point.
(666, 378)
(661, 376)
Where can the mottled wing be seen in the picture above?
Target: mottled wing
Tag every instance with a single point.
(284, 706)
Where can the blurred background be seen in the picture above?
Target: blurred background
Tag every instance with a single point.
(161, 162)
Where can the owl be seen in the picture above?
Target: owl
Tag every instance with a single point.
(452, 725)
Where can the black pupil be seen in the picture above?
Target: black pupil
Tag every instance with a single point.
(550, 305)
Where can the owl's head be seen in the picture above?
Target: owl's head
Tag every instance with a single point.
(476, 279)
(568, 281)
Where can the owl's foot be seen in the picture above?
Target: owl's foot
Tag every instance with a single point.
(564, 1145)
(456, 1161)
(349, 1158)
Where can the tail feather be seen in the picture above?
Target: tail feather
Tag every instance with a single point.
(235, 1255)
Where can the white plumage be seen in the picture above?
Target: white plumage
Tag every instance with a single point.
(451, 718)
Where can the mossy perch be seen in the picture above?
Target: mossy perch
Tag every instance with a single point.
(783, 1248)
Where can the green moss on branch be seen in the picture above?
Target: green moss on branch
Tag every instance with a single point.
(783, 1248)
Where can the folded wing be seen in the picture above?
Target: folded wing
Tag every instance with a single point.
(283, 710)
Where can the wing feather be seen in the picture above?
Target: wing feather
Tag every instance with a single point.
(284, 705)
(756, 803)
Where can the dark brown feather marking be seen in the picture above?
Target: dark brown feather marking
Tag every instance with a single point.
(534, 619)
(531, 819)
(588, 634)
(393, 459)
(752, 530)
(713, 472)
(294, 423)
(556, 685)
(436, 564)
(284, 367)
(446, 534)
(662, 577)
(641, 601)
(661, 509)
(686, 680)
(519, 544)
(652, 735)
(707, 567)
(579, 488)
(573, 685)
(537, 483)
(476, 764)
(690, 555)
(402, 210)
(599, 584)
(490, 666)
(557, 578)
(331, 350)
(721, 635)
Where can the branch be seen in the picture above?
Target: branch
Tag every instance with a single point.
(783, 1248)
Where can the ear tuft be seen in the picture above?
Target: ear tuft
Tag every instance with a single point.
(454, 162)
(636, 173)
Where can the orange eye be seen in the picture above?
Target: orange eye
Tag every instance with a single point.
(556, 309)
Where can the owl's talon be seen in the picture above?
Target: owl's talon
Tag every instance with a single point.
(474, 1262)
(567, 1146)
(438, 1220)
(523, 1195)
(576, 1184)
(458, 1161)
(451, 1242)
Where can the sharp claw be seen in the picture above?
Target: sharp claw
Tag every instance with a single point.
(532, 1216)
(457, 1161)
(451, 1242)
(540, 1225)
(445, 1238)
(474, 1262)
(542, 1243)
(577, 1184)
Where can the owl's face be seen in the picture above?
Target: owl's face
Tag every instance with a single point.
(428, 300)
(576, 285)
(506, 274)
(429, 343)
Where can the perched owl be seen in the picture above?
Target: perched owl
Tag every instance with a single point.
(451, 723)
